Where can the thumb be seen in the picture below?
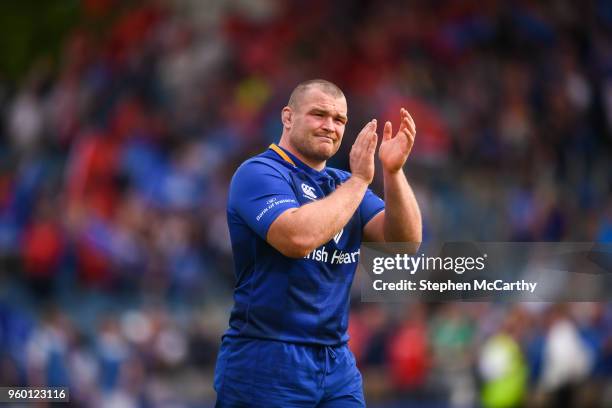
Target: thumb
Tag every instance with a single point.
(387, 131)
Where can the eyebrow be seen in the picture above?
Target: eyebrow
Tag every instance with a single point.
(340, 116)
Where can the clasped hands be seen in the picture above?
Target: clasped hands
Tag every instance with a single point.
(393, 152)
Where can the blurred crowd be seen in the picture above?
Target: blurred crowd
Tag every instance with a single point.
(115, 157)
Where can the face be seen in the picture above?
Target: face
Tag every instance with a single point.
(316, 126)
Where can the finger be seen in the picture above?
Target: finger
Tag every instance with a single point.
(403, 129)
(403, 115)
(373, 143)
(362, 134)
(369, 127)
(387, 131)
(371, 133)
(411, 120)
(362, 143)
(407, 126)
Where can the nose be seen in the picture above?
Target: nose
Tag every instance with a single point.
(328, 124)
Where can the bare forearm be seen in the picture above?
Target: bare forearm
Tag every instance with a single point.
(324, 218)
(306, 228)
(402, 215)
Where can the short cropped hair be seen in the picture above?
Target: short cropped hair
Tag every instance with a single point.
(326, 86)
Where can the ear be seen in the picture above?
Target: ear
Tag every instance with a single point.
(287, 117)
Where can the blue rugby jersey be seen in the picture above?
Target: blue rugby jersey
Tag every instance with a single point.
(295, 300)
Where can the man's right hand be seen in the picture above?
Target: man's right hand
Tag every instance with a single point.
(362, 153)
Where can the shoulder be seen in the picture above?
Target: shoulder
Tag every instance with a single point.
(259, 170)
(259, 165)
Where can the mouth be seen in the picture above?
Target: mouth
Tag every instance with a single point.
(326, 138)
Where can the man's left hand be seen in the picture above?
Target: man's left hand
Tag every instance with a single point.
(394, 150)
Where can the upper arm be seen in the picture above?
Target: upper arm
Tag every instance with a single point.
(284, 236)
(374, 230)
(259, 194)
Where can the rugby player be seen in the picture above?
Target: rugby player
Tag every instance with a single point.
(296, 226)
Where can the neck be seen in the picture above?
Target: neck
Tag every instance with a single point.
(317, 165)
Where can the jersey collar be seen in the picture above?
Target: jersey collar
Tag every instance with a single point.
(282, 153)
(295, 162)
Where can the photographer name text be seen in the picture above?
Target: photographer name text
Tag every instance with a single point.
(422, 285)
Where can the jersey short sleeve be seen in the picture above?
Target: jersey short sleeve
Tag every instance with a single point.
(258, 195)
(370, 206)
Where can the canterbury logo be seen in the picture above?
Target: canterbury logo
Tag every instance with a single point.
(309, 191)
(338, 236)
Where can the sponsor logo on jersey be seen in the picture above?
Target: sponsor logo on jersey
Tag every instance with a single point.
(338, 236)
(309, 191)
